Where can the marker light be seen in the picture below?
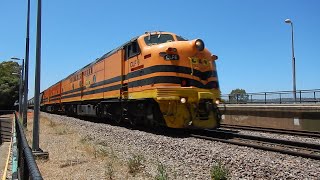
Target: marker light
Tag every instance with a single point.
(214, 57)
(171, 50)
(183, 100)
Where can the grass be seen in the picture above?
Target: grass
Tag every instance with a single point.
(100, 152)
(113, 154)
(103, 152)
(135, 164)
(218, 172)
(162, 173)
(86, 139)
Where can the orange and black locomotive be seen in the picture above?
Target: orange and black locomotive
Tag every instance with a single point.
(158, 78)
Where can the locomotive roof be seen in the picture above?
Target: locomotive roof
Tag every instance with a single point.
(102, 57)
(112, 52)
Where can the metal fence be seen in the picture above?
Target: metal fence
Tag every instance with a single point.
(277, 97)
(27, 167)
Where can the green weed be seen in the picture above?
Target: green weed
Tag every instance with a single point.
(162, 173)
(218, 172)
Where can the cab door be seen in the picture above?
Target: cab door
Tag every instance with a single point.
(132, 66)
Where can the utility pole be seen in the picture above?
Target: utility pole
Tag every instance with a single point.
(35, 143)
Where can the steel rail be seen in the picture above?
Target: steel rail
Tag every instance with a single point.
(306, 150)
(274, 130)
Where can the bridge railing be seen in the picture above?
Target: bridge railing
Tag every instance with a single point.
(27, 167)
(277, 97)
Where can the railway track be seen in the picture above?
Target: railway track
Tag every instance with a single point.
(306, 150)
(315, 134)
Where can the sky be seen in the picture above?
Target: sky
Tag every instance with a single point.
(250, 37)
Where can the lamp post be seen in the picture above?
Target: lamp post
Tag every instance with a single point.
(293, 61)
(35, 142)
(21, 86)
(26, 69)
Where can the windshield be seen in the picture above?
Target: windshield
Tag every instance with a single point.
(179, 38)
(158, 39)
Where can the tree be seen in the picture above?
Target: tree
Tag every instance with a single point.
(9, 84)
(238, 96)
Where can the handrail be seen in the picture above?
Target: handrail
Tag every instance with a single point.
(28, 168)
(279, 97)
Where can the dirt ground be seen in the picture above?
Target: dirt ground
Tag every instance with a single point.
(74, 157)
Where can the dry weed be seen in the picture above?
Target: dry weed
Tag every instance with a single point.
(135, 164)
(68, 163)
(52, 124)
(109, 172)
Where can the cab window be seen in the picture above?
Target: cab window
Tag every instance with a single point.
(158, 39)
(132, 49)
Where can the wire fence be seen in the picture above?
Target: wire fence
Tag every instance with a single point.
(277, 97)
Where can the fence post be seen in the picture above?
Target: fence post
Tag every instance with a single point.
(300, 96)
(265, 98)
(237, 98)
(280, 97)
(314, 96)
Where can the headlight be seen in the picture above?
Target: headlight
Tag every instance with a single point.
(199, 45)
(183, 100)
(217, 101)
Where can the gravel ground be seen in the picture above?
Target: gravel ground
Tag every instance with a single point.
(183, 158)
